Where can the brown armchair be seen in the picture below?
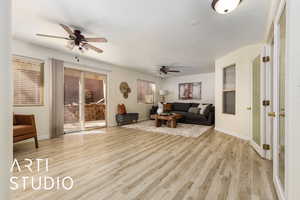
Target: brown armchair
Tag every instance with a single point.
(24, 128)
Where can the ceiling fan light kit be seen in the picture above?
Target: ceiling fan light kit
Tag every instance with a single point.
(225, 6)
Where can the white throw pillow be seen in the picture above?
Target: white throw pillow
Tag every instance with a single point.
(202, 108)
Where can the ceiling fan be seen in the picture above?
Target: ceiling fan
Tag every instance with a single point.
(77, 39)
(166, 70)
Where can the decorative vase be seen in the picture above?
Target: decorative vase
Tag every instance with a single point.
(160, 108)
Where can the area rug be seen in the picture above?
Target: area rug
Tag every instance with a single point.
(186, 130)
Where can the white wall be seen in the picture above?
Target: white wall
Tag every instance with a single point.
(293, 100)
(115, 76)
(5, 99)
(238, 124)
(208, 87)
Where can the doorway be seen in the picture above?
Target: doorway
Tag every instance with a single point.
(84, 100)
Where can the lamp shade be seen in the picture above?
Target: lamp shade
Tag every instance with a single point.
(163, 92)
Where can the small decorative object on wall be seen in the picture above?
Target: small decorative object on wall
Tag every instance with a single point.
(125, 89)
(188, 91)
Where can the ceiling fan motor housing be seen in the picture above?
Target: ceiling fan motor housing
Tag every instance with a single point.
(78, 37)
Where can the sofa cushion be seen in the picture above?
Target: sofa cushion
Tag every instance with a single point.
(22, 129)
(194, 110)
(180, 112)
(192, 116)
(194, 104)
(181, 107)
(207, 110)
(202, 108)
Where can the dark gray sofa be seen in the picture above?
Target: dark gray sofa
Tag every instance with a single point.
(208, 117)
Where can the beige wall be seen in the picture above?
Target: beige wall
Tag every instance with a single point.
(114, 74)
(207, 90)
(293, 100)
(238, 124)
(5, 99)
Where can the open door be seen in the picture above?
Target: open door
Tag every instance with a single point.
(279, 115)
(260, 100)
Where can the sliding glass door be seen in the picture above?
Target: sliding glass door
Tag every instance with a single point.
(94, 94)
(72, 100)
(84, 100)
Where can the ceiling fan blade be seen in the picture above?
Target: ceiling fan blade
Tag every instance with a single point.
(93, 48)
(52, 36)
(95, 39)
(163, 71)
(173, 71)
(69, 30)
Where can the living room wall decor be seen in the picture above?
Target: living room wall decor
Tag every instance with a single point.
(125, 89)
(189, 91)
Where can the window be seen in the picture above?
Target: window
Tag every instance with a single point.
(229, 90)
(28, 81)
(145, 92)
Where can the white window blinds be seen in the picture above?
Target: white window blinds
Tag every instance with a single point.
(28, 81)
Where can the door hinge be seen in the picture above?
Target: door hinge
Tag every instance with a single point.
(266, 59)
(266, 147)
(266, 102)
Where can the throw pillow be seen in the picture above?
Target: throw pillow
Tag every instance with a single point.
(194, 110)
(121, 109)
(207, 110)
(202, 108)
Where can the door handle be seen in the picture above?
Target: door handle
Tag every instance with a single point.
(282, 114)
(248, 108)
(272, 114)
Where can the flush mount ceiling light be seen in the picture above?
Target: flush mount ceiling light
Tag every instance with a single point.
(225, 6)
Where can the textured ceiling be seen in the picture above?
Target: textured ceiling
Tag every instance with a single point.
(146, 34)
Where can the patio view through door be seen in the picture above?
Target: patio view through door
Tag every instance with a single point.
(84, 100)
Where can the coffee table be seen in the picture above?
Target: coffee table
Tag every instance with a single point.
(171, 120)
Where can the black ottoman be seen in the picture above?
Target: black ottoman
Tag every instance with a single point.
(127, 118)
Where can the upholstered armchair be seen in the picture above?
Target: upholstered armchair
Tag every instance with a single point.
(24, 128)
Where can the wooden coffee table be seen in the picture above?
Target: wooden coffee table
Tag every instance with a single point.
(171, 120)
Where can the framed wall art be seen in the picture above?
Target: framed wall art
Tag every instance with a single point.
(189, 91)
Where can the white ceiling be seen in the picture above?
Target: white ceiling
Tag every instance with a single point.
(144, 34)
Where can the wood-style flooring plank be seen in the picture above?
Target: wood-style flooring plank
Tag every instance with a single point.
(119, 163)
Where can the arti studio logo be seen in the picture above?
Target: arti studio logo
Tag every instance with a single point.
(37, 182)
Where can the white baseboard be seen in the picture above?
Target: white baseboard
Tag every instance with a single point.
(278, 189)
(43, 137)
(232, 134)
(257, 148)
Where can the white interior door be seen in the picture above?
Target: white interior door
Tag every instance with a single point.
(258, 109)
(279, 155)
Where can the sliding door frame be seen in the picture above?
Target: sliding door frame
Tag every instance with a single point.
(105, 73)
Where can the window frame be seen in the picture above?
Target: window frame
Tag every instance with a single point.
(224, 91)
(42, 80)
(154, 92)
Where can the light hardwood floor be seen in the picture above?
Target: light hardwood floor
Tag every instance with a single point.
(121, 163)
